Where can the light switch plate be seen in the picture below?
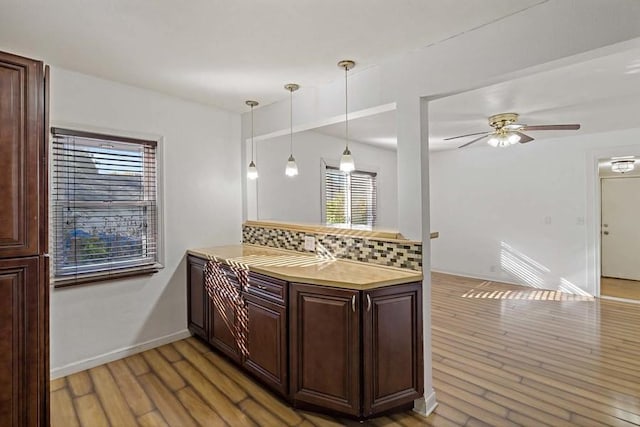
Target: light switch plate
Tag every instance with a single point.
(310, 243)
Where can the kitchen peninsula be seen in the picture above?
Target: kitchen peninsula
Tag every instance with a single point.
(325, 333)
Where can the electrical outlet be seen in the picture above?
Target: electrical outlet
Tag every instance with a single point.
(547, 220)
(493, 268)
(310, 243)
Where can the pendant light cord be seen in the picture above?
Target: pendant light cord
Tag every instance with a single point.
(252, 133)
(291, 121)
(346, 110)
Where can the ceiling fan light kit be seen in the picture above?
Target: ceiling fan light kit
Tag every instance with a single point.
(503, 139)
(507, 132)
(623, 166)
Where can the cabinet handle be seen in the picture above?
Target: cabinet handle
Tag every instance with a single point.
(368, 303)
(353, 303)
(261, 287)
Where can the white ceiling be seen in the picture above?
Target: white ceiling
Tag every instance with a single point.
(378, 130)
(222, 52)
(601, 94)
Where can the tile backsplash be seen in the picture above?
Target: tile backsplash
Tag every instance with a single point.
(389, 252)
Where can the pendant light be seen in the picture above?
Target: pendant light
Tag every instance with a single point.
(292, 167)
(346, 162)
(252, 170)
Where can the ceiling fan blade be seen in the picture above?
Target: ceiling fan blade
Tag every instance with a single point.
(552, 127)
(463, 136)
(524, 138)
(473, 141)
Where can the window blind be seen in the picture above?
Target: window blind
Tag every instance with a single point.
(336, 196)
(350, 198)
(363, 198)
(104, 202)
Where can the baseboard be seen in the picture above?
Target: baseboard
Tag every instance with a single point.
(425, 405)
(92, 362)
(630, 301)
(481, 277)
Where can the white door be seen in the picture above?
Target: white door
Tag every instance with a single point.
(621, 228)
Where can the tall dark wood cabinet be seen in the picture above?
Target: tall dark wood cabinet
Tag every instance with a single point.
(24, 285)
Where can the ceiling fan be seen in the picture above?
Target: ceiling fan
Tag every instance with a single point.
(507, 132)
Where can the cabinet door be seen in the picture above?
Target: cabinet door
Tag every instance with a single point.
(392, 352)
(325, 348)
(20, 347)
(225, 313)
(197, 298)
(21, 146)
(266, 340)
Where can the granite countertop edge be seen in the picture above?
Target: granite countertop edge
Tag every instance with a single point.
(337, 273)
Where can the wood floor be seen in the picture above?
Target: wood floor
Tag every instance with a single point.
(503, 355)
(620, 288)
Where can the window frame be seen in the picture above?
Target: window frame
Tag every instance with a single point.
(334, 164)
(124, 270)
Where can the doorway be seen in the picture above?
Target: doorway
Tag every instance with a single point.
(620, 239)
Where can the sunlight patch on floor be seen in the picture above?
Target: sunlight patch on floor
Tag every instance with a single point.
(529, 295)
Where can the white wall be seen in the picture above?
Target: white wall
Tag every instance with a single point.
(202, 207)
(298, 199)
(524, 212)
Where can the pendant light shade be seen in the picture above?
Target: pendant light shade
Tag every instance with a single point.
(346, 161)
(291, 168)
(252, 170)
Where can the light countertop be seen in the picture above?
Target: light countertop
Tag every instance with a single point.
(308, 268)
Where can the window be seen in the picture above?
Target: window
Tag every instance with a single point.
(104, 206)
(349, 198)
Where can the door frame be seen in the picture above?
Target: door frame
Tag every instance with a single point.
(593, 220)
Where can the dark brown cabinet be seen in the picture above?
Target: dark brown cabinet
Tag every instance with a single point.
(392, 347)
(352, 352)
(21, 153)
(356, 352)
(19, 373)
(216, 319)
(266, 342)
(249, 326)
(24, 287)
(225, 315)
(325, 347)
(224, 326)
(197, 299)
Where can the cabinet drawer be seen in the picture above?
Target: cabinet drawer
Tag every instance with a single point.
(229, 274)
(268, 287)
